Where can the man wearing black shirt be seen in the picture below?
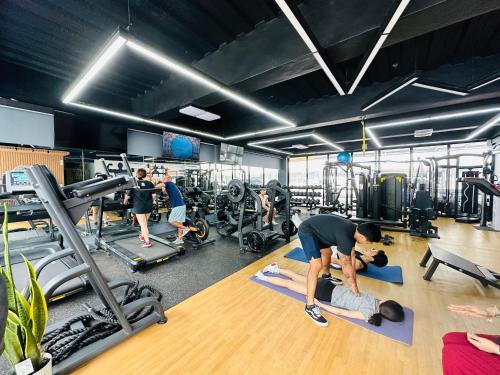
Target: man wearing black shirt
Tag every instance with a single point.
(316, 235)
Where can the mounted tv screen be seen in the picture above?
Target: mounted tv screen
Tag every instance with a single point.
(183, 147)
(230, 154)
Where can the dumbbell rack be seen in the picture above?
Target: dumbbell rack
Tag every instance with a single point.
(309, 193)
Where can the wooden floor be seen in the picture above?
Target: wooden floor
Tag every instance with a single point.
(239, 327)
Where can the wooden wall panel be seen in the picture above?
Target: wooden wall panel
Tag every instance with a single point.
(13, 157)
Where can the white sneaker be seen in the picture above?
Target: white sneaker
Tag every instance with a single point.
(275, 223)
(259, 275)
(178, 242)
(185, 231)
(336, 266)
(272, 268)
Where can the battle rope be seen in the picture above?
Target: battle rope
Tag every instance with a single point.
(97, 324)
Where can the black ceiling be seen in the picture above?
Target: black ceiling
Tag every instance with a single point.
(251, 47)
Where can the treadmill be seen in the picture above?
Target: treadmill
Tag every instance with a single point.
(122, 240)
(38, 243)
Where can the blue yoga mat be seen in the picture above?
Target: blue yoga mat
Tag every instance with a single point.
(399, 331)
(391, 274)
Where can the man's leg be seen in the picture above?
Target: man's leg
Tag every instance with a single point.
(312, 279)
(326, 260)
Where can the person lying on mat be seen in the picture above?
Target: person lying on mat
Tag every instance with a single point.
(316, 235)
(344, 303)
(467, 353)
(363, 258)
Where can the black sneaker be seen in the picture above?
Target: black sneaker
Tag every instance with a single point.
(314, 314)
(333, 280)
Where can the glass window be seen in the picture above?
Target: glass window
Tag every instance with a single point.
(315, 169)
(423, 170)
(368, 158)
(256, 176)
(297, 171)
(469, 148)
(270, 174)
(395, 161)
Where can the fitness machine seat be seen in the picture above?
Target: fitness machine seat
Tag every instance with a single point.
(440, 256)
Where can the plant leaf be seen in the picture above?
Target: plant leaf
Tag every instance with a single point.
(13, 349)
(31, 349)
(11, 295)
(23, 310)
(8, 269)
(38, 310)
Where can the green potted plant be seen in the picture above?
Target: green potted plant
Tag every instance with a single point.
(26, 320)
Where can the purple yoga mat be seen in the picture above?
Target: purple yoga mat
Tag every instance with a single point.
(399, 331)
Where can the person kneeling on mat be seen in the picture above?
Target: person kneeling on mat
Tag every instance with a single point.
(316, 235)
(344, 303)
(143, 204)
(363, 258)
(178, 214)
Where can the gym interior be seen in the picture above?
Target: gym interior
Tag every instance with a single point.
(182, 180)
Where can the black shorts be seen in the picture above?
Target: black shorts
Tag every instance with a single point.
(143, 208)
(324, 290)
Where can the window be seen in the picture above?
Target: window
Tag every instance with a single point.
(368, 158)
(256, 176)
(315, 165)
(297, 168)
(270, 174)
(395, 161)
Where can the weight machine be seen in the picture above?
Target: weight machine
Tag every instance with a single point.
(262, 235)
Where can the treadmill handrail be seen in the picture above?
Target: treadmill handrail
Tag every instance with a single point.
(99, 186)
(64, 277)
(78, 185)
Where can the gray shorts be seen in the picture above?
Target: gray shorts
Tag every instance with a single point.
(178, 214)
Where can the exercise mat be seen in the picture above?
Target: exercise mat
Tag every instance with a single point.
(398, 331)
(391, 274)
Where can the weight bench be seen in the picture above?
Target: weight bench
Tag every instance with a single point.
(484, 275)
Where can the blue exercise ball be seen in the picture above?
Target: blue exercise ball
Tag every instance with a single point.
(344, 157)
(182, 148)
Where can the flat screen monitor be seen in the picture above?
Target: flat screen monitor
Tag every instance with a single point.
(231, 154)
(181, 147)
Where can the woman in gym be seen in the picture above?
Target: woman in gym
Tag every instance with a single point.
(345, 303)
(143, 204)
(266, 206)
(363, 258)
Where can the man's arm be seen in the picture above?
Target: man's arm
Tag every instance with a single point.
(348, 263)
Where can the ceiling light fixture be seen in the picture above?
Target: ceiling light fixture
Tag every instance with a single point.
(324, 140)
(107, 54)
(199, 113)
(373, 137)
(478, 84)
(279, 139)
(435, 87)
(287, 11)
(388, 28)
(445, 116)
(424, 143)
(272, 149)
(390, 92)
(115, 44)
(495, 120)
(144, 120)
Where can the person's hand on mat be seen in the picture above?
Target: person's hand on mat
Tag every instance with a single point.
(483, 344)
(468, 310)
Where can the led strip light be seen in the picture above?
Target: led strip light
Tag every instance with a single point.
(116, 44)
(316, 136)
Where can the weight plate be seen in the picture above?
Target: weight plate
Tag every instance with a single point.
(256, 241)
(236, 191)
(292, 229)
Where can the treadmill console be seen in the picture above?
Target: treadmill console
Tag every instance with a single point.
(17, 180)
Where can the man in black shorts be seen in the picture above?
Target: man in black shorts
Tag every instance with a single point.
(316, 235)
